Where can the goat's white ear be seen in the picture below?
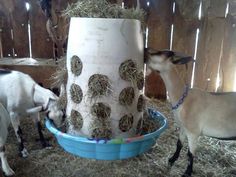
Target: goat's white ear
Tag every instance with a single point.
(34, 110)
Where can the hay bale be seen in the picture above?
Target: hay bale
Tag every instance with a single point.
(140, 80)
(76, 119)
(128, 71)
(101, 111)
(141, 105)
(76, 65)
(126, 96)
(102, 9)
(76, 93)
(101, 129)
(60, 76)
(99, 85)
(126, 122)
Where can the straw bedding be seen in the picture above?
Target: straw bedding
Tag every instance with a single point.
(214, 158)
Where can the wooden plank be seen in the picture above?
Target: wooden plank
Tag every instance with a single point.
(186, 23)
(20, 29)
(42, 46)
(228, 63)
(210, 44)
(159, 25)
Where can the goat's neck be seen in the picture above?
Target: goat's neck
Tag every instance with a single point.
(174, 85)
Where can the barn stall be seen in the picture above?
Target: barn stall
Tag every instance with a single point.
(203, 29)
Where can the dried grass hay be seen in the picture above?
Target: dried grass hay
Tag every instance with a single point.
(101, 110)
(101, 130)
(128, 71)
(126, 96)
(126, 122)
(60, 76)
(76, 119)
(99, 85)
(140, 80)
(149, 125)
(62, 101)
(102, 9)
(76, 65)
(141, 105)
(76, 93)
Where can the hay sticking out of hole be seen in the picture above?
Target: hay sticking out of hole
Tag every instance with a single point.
(60, 76)
(147, 124)
(101, 111)
(99, 85)
(101, 130)
(141, 103)
(126, 122)
(76, 119)
(62, 101)
(140, 80)
(126, 96)
(102, 9)
(76, 65)
(76, 93)
(128, 71)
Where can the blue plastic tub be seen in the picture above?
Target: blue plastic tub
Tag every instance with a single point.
(114, 149)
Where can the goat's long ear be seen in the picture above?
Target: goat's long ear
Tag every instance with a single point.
(34, 110)
(180, 59)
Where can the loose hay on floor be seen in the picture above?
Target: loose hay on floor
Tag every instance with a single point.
(99, 85)
(76, 65)
(76, 119)
(76, 93)
(214, 158)
(101, 110)
(126, 96)
(126, 122)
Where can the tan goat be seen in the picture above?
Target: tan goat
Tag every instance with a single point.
(197, 112)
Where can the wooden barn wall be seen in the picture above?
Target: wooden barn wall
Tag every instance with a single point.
(14, 20)
(215, 63)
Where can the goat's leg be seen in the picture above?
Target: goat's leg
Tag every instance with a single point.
(179, 146)
(16, 125)
(39, 128)
(192, 143)
(5, 166)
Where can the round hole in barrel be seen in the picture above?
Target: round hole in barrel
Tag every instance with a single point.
(141, 103)
(126, 96)
(76, 93)
(128, 71)
(126, 122)
(140, 80)
(76, 65)
(99, 85)
(101, 110)
(76, 119)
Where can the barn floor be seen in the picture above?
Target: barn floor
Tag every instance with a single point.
(215, 158)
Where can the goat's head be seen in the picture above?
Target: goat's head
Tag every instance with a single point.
(164, 60)
(49, 106)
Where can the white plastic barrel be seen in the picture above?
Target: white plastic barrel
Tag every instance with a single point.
(102, 45)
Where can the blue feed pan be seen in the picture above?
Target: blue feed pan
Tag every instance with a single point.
(114, 149)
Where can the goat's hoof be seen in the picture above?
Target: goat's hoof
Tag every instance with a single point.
(24, 153)
(187, 173)
(46, 145)
(8, 172)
